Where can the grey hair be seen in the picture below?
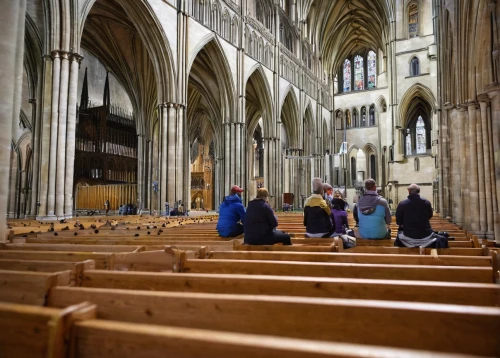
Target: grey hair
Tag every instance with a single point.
(317, 185)
(414, 189)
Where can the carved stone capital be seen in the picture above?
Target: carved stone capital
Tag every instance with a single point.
(483, 97)
(472, 103)
(448, 106)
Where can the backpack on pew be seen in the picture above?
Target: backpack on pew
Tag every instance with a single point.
(348, 240)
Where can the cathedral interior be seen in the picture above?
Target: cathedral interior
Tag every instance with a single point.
(153, 101)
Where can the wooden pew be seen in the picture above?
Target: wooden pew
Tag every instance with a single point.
(471, 330)
(29, 288)
(112, 339)
(75, 268)
(292, 248)
(413, 291)
(72, 247)
(102, 260)
(347, 257)
(30, 331)
(369, 271)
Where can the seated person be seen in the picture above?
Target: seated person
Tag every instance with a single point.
(260, 223)
(231, 212)
(328, 196)
(339, 217)
(412, 216)
(317, 213)
(373, 214)
(286, 207)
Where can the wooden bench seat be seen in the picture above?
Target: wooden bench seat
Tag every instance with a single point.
(292, 248)
(471, 330)
(102, 260)
(72, 247)
(347, 257)
(29, 288)
(113, 339)
(315, 269)
(75, 268)
(38, 332)
(457, 251)
(413, 291)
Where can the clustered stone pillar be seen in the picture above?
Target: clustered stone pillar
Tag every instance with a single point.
(58, 135)
(474, 163)
(172, 176)
(494, 93)
(485, 155)
(12, 18)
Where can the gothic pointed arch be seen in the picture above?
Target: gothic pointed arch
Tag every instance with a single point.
(258, 101)
(289, 116)
(148, 27)
(407, 102)
(213, 67)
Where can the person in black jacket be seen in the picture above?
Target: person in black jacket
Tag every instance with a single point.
(317, 218)
(260, 223)
(412, 216)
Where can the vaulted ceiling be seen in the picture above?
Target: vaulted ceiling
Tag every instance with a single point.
(341, 28)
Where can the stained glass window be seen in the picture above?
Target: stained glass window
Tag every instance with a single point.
(359, 75)
(413, 20)
(347, 76)
(421, 136)
(372, 69)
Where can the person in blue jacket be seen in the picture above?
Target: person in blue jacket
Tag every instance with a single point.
(231, 214)
(373, 213)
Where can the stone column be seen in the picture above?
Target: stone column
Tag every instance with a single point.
(484, 150)
(71, 135)
(445, 153)
(12, 18)
(494, 93)
(62, 119)
(179, 155)
(462, 172)
(473, 178)
(54, 121)
(455, 166)
(168, 155)
(226, 183)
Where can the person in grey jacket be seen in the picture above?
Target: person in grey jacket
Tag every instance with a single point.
(373, 213)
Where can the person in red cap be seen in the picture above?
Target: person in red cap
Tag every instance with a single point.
(231, 214)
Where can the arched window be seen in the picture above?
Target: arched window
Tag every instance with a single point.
(355, 118)
(373, 170)
(413, 20)
(418, 137)
(353, 170)
(347, 76)
(372, 69)
(372, 115)
(359, 74)
(414, 67)
(363, 117)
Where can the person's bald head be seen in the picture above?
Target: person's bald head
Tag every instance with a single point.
(413, 189)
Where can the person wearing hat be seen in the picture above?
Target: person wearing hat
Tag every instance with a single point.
(231, 214)
(317, 218)
(339, 216)
(412, 216)
(260, 223)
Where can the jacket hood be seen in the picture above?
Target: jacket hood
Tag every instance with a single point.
(231, 199)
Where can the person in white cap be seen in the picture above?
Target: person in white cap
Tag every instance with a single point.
(231, 214)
